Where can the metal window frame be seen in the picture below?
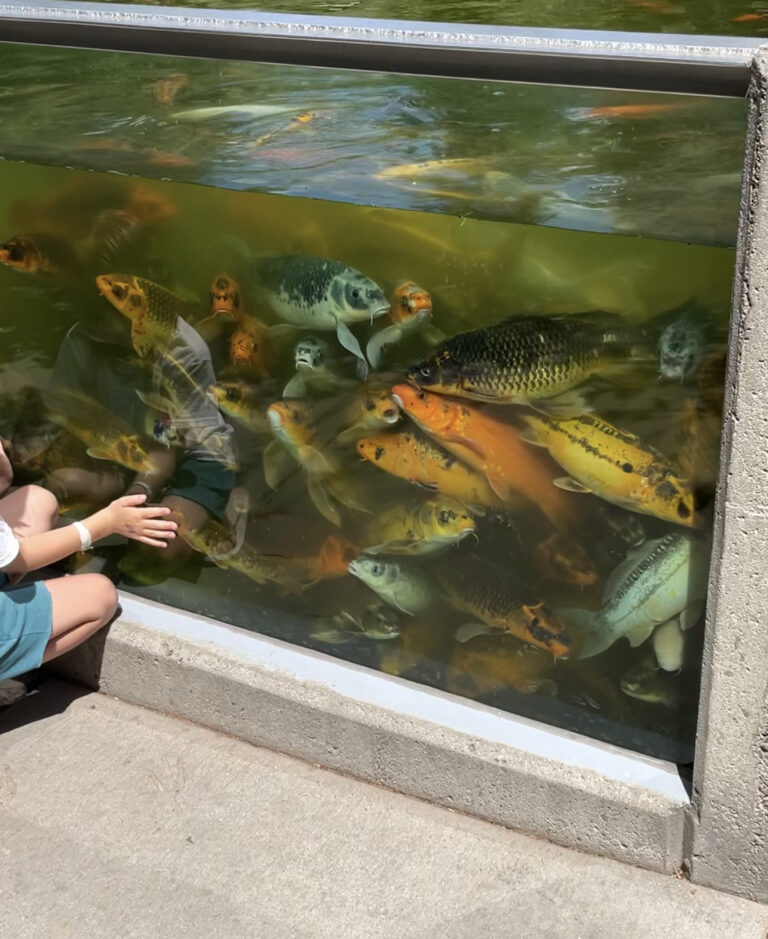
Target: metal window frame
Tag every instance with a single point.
(722, 832)
(707, 65)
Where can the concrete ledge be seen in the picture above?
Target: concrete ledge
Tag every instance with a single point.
(385, 730)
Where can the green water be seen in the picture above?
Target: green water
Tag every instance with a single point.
(723, 18)
(477, 272)
(662, 166)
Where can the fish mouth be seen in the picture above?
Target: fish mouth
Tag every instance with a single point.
(398, 401)
(275, 419)
(304, 360)
(379, 311)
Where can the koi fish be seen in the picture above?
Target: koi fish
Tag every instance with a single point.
(241, 402)
(331, 560)
(634, 110)
(39, 254)
(485, 665)
(426, 529)
(293, 425)
(314, 370)
(493, 448)
(615, 465)
(106, 436)
(377, 621)
(317, 293)
(152, 310)
(371, 408)
(411, 310)
(528, 359)
(662, 579)
(644, 682)
(418, 460)
(404, 586)
(501, 602)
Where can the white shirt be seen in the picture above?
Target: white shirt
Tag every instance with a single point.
(9, 544)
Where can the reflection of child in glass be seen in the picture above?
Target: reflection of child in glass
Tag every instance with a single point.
(194, 475)
(43, 619)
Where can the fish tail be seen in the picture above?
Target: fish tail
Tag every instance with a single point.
(591, 628)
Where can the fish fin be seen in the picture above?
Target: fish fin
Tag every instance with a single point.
(279, 330)
(595, 633)
(470, 630)
(569, 485)
(97, 453)
(350, 436)
(333, 637)
(348, 340)
(568, 404)
(296, 387)
(142, 341)
(432, 334)
(499, 484)
(640, 634)
(464, 443)
(378, 342)
(155, 402)
(691, 615)
(528, 434)
(313, 460)
(395, 546)
(278, 463)
(322, 501)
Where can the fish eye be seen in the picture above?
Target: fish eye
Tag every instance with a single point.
(232, 394)
(425, 371)
(443, 517)
(682, 510)
(404, 302)
(355, 293)
(119, 291)
(627, 467)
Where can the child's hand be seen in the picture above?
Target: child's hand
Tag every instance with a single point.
(147, 524)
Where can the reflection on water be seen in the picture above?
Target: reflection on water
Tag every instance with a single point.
(664, 166)
(475, 454)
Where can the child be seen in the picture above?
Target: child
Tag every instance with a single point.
(43, 619)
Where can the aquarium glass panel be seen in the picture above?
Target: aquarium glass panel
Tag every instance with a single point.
(436, 387)
(716, 18)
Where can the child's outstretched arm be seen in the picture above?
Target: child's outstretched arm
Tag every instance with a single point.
(125, 516)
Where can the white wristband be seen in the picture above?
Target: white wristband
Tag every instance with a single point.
(85, 536)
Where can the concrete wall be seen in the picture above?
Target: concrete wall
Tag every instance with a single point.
(416, 740)
(728, 835)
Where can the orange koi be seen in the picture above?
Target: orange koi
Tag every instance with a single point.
(493, 448)
(418, 460)
(634, 110)
(487, 664)
(749, 17)
(249, 341)
(332, 560)
(166, 89)
(410, 301)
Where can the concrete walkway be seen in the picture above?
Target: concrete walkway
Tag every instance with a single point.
(119, 822)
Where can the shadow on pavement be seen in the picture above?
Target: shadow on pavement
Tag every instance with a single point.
(50, 698)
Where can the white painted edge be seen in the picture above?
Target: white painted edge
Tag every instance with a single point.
(416, 702)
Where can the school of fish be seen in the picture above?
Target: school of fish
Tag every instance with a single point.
(467, 498)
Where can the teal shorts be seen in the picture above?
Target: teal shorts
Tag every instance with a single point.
(26, 618)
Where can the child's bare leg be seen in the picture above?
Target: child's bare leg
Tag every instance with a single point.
(29, 510)
(82, 604)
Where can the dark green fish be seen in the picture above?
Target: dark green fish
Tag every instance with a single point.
(317, 293)
(524, 359)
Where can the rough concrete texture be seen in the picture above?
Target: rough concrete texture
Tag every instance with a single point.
(729, 830)
(207, 683)
(122, 822)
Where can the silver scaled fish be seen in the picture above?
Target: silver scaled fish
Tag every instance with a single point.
(318, 293)
(662, 579)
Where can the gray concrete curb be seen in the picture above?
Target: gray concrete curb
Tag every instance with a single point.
(385, 730)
